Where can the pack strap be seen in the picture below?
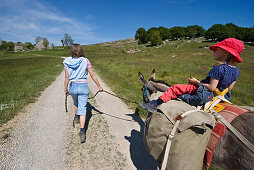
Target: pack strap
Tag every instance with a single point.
(233, 130)
(219, 96)
(172, 135)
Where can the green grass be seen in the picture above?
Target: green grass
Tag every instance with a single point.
(120, 69)
(23, 76)
(5, 136)
(33, 54)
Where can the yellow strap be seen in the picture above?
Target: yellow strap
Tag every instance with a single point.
(217, 92)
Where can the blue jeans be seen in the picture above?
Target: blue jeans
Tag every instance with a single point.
(79, 93)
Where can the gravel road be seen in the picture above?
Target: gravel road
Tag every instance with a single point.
(41, 136)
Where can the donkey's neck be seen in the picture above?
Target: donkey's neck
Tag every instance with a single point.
(160, 86)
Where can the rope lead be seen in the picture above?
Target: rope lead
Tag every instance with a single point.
(113, 95)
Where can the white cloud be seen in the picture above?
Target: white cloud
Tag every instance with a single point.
(23, 20)
(88, 17)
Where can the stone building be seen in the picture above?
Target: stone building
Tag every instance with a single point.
(18, 47)
(39, 45)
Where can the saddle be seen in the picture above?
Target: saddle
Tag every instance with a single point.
(228, 112)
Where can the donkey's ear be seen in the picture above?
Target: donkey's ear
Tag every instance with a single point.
(153, 74)
(141, 77)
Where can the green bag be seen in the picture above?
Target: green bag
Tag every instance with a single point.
(190, 141)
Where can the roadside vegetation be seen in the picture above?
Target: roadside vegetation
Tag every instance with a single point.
(23, 76)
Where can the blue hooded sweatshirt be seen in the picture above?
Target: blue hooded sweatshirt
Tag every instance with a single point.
(77, 68)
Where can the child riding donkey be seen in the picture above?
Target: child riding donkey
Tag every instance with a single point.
(221, 76)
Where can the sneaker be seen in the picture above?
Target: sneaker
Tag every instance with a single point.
(150, 107)
(76, 119)
(82, 136)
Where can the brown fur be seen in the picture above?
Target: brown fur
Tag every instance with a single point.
(230, 153)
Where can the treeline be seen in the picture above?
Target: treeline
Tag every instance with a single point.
(217, 32)
(67, 41)
(4, 45)
(9, 46)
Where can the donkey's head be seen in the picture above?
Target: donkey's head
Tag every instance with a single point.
(151, 86)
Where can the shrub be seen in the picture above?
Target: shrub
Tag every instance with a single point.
(217, 32)
(155, 38)
(177, 32)
(141, 35)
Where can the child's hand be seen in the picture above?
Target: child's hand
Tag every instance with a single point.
(193, 80)
(66, 92)
(101, 89)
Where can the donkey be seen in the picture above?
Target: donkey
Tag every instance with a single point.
(230, 153)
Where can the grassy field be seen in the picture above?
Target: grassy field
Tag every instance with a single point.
(23, 76)
(34, 54)
(119, 62)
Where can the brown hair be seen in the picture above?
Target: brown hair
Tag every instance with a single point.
(77, 51)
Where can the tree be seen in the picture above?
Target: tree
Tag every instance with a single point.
(45, 43)
(194, 31)
(200, 31)
(165, 33)
(155, 37)
(62, 42)
(4, 45)
(149, 32)
(217, 32)
(177, 32)
(28, 46)
(37, 39)
(10, 46)
(141, 35)
(233, 30)
(249, 36)
(53, 45)
(67, 40)
(139, 32)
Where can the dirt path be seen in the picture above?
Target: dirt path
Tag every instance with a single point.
(42, 136)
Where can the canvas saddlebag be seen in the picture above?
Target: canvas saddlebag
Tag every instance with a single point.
(189, 144)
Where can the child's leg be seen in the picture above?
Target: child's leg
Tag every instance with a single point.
(172, 92)
(75, 109)
(178, 89)
(82, 121)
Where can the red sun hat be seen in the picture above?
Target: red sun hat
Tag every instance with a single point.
(231, 45)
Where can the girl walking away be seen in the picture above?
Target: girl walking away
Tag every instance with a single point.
(221, 76)
(76, 69)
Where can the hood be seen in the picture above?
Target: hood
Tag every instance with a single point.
(73, 62)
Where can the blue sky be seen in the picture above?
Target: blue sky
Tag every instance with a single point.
(95, 21)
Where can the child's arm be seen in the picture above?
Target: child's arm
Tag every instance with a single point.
(93, 76)
(211, 86)
(231, 86)
(66, 81)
